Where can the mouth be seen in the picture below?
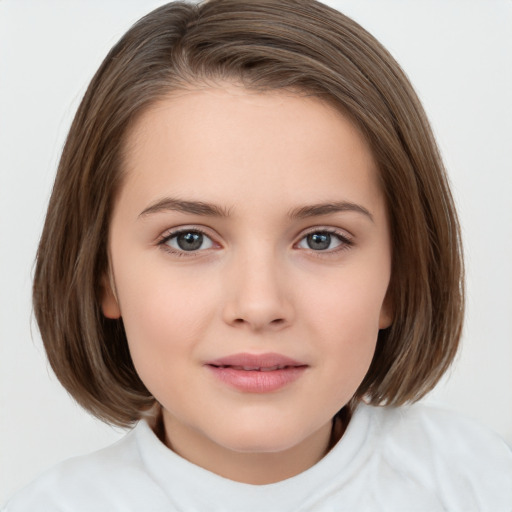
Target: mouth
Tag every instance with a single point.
(255, 368)
(261, 373)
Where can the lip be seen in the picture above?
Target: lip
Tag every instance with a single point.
(257, 373)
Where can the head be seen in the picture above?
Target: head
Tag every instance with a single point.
(293, 48)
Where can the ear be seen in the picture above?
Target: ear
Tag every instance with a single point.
(386, 312)
(109, 303)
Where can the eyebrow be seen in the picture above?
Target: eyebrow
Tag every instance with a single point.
(316, 210)
(211, 210)
(179, 205)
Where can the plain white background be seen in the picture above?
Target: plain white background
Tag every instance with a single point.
(458, 54)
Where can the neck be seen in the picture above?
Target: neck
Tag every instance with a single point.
(257, 468)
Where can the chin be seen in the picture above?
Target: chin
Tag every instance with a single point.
(262, 438)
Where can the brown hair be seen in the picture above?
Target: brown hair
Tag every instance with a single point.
(300, 45)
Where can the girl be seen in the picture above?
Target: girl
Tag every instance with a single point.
(251, 245)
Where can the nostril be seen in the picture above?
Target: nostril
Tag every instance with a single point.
(276, 321)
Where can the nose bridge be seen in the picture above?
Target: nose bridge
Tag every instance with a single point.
(257, 294)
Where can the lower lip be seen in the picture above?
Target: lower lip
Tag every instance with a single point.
(253, 381)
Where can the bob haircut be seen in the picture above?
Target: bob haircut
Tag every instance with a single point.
(300, 46)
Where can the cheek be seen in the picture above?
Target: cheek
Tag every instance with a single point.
(350, 300)
(164, 315)
(344, 319)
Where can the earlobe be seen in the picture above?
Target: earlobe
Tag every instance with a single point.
(386, 314)
(109, 303)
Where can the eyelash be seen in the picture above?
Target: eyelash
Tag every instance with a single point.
(346, 242)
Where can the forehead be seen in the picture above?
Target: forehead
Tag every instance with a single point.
(230, 144)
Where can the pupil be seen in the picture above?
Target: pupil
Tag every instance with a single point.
(319, 241)
(190, 241)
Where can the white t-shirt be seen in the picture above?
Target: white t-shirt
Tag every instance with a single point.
(389, 459)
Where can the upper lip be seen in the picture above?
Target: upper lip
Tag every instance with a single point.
(269, 361)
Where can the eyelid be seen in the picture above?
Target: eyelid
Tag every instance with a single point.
(342, 233)
(170, 232)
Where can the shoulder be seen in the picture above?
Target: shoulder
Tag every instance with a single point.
(113, 478)
(443, 431)
(467, 464)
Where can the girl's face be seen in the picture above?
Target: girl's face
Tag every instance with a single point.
(251, 257)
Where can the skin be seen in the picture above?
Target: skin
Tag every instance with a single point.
(255, 285)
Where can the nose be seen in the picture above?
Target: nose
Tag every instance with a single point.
(256, 294)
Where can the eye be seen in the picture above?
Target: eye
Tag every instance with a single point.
(188, 240)
(324, 241)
